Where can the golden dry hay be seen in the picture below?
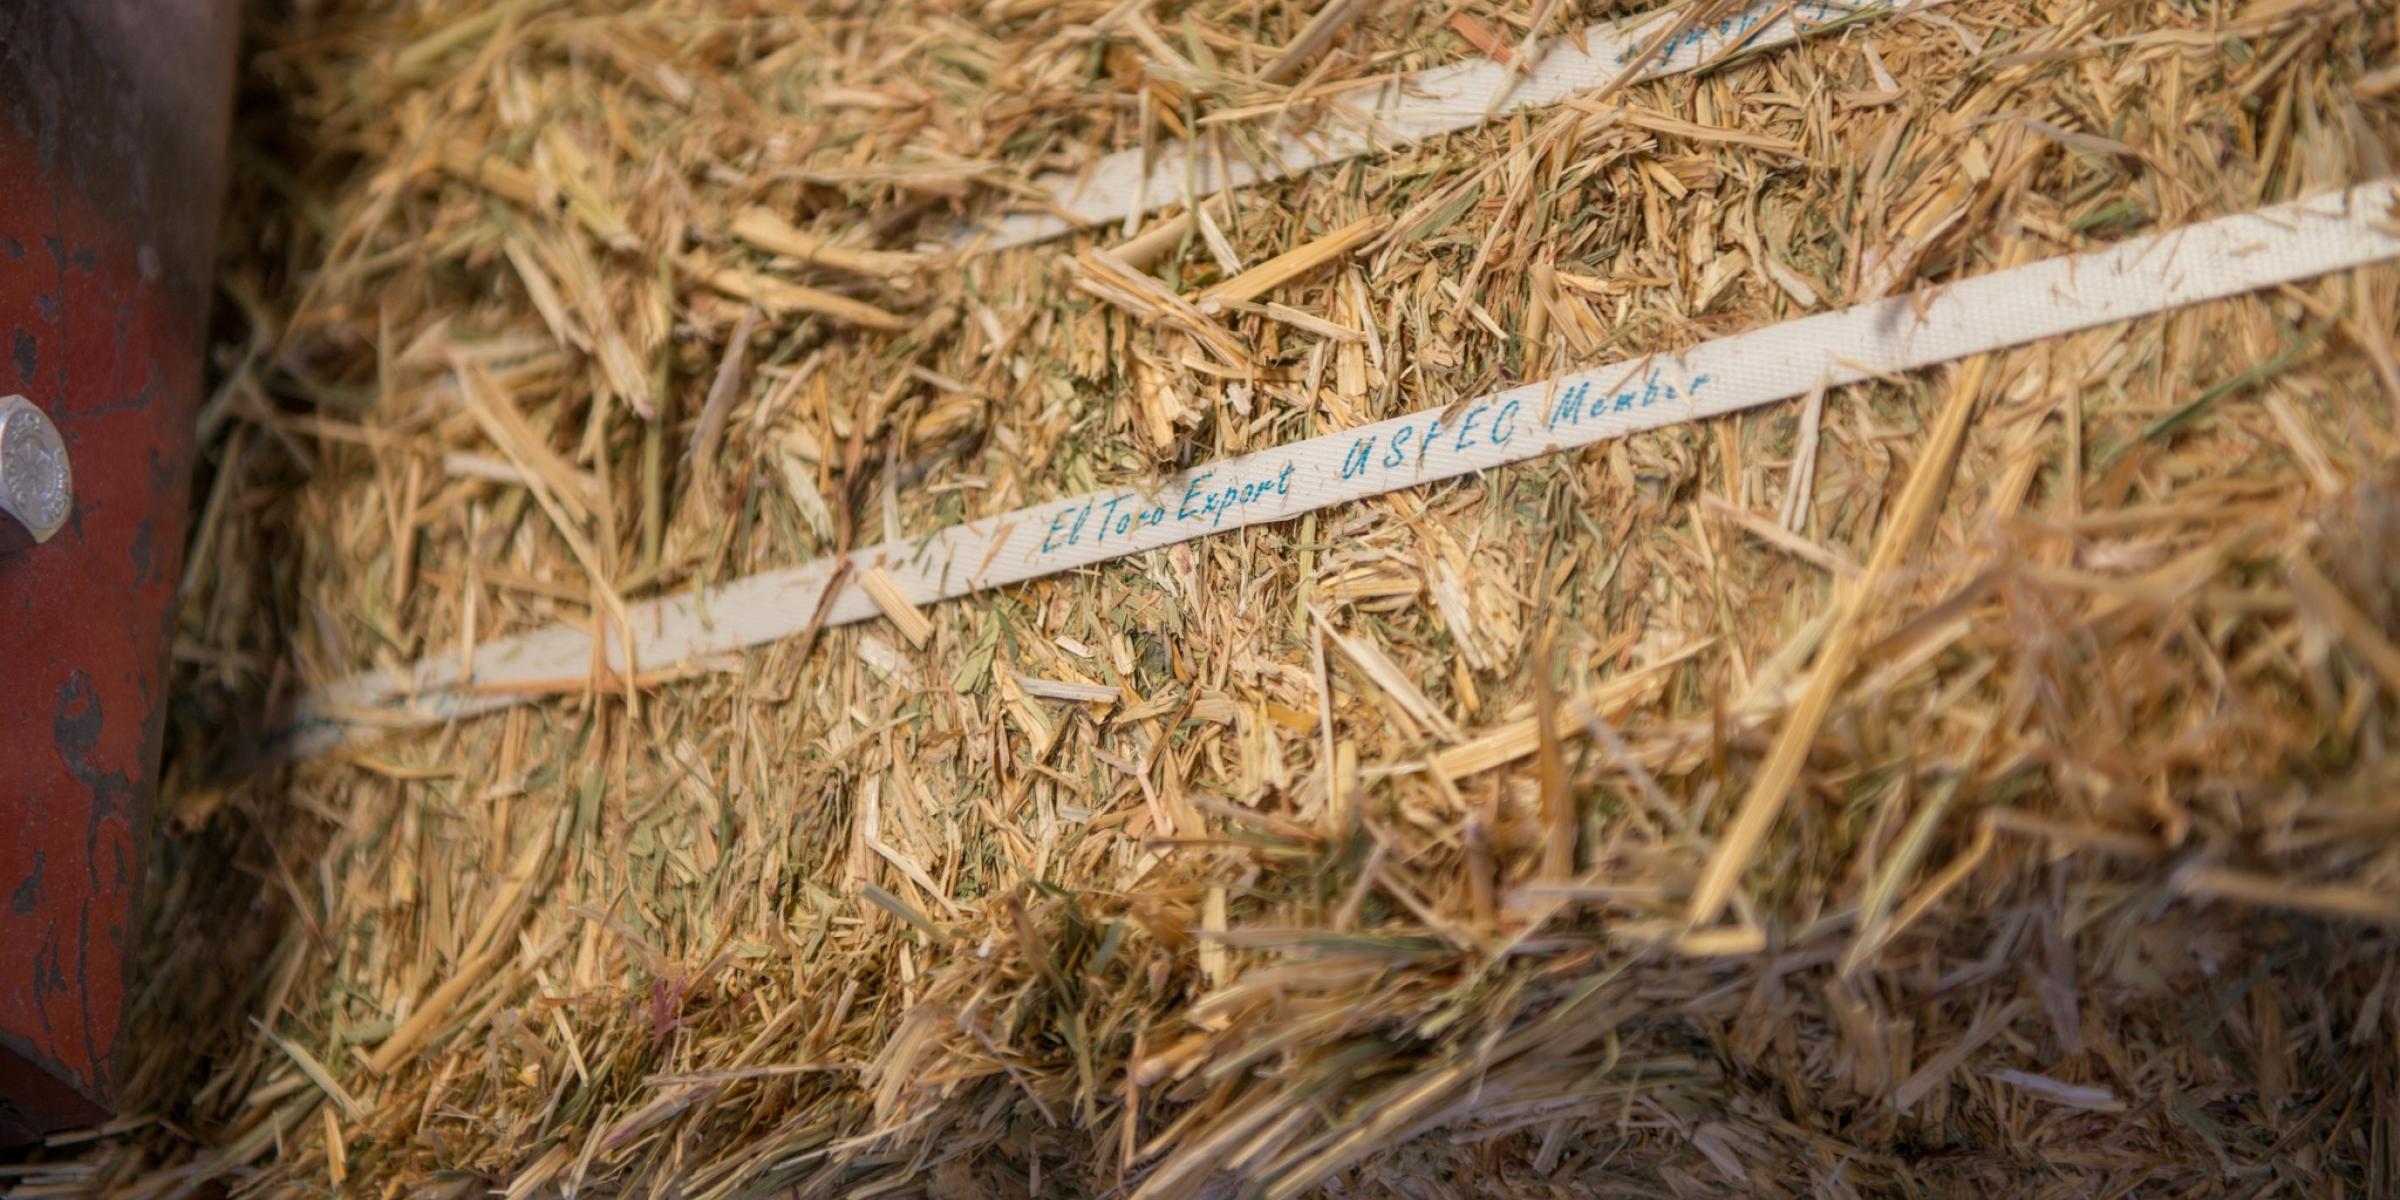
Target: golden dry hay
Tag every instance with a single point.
(1351, 856)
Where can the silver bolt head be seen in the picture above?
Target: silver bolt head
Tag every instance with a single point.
(37, 487)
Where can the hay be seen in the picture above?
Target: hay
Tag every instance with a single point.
(2051, 795)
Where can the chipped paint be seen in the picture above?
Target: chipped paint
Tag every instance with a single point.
(103, 302)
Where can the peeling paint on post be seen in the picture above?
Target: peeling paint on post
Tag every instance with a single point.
(112, 144)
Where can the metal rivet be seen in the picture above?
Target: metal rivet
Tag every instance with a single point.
(37, 487)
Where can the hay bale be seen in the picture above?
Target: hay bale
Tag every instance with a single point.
(1353, 856)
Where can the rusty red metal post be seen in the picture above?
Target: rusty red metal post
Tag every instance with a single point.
(113, 125)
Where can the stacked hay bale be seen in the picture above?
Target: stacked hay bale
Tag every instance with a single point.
(1370, 873)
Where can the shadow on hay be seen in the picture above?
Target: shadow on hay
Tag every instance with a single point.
(229, 847)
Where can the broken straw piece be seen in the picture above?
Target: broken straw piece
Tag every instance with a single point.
(906, 617)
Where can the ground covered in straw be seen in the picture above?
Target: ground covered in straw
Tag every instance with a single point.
(1371, 875)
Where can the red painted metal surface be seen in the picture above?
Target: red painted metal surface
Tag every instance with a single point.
(113, 119)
